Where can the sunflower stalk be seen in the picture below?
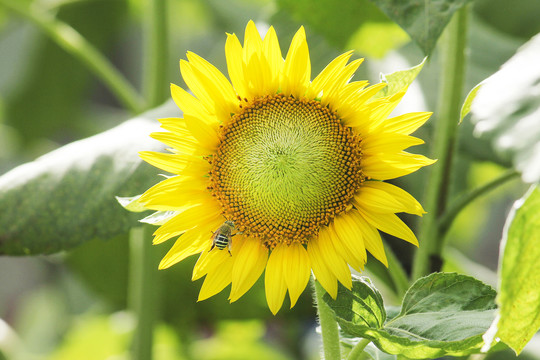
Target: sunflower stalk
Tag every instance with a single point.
(428, 257)
(75, 44)
(329, 326)
(156, 53)
(143, 291)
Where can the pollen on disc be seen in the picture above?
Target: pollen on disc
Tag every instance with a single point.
(285, 167)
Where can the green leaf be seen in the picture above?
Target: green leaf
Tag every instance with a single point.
(345, 24)
(466, 107)
(507, 108)
(441, 314)
(399, 80)
(67, 196)
(519, 272)
(423, 20)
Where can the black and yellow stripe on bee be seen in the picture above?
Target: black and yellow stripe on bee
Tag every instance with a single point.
(221, 241)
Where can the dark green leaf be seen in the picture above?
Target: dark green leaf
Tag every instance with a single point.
(442, 314)
(67, 197)
(507, 108)
(519, 273)
(423, 20)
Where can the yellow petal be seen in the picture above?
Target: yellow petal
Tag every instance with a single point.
(173, 163)
(191, 105)
(390, 224)
(350, 245)
(188, 244)
(175, 125)
(235, 64)
(331, 93)
(172, 184)
(326, 242)
(384, 142)
(204, 133)
(210, 259)
(407, 123)
(354, 99)
(273, 55)
(274, 280)
(297, 68)
(253, 43)
(258, 75)
(215, 84)
(378, 196)
(198, 88)
(296, 270)
(390, 166)
(321, 269)
(216, 280)
(181, 144)
(190, 218)
(327, 75)
(249, 264)
(372, 238)
(168, 201)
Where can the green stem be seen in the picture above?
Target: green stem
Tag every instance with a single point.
(357, 353)
(143, 291)
(457, 205)
(329, 327)
(397, 273)
(156, 52)
(427, 257)
(75, 44)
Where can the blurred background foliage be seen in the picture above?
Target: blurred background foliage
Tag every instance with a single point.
(72, 304)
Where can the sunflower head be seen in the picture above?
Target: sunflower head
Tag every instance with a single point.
(288, 172)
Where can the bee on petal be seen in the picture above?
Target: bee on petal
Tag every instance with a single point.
(221, 238)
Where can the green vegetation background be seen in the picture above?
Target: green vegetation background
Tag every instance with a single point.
(71, 305)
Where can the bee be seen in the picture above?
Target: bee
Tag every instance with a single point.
(221, 238)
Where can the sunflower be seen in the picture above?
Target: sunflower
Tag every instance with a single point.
(288, 171)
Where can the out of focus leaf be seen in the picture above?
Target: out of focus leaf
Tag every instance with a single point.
(507, 108)
(517, 21)
(423, 20)
(519, 294)
(357, 24)
(441, 314)
(67, 197)
(57, 112)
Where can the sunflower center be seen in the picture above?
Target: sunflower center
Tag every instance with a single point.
(284, 168)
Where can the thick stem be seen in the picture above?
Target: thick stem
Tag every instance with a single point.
(156, 53)
(71, 41)
(428, 257)
(143, 292)
(357, 353)
(329, 326)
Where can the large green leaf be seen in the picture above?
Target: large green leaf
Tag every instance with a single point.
(67, 197)
(519, 294)
(506, 110)
(423, 20)
(357, 23)
(441, 314)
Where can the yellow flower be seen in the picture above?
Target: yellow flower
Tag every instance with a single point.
(296, 165)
